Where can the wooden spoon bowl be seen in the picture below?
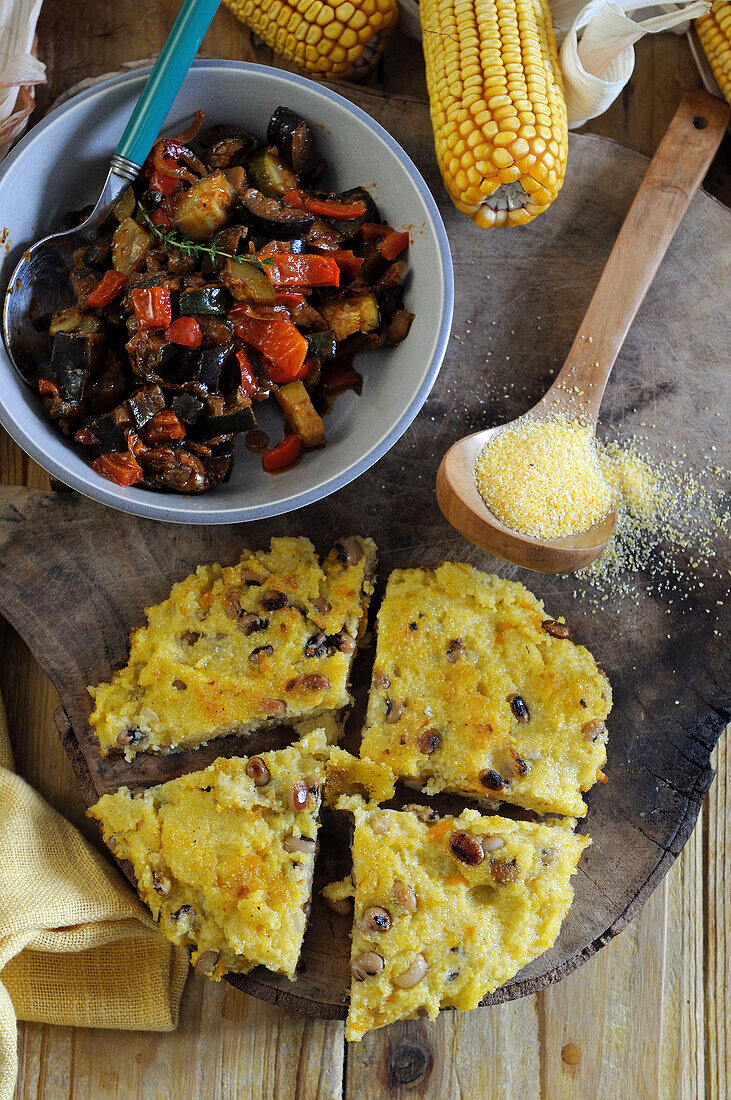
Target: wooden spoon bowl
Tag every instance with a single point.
(673, 177)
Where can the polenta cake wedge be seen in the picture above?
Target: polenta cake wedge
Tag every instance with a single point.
(224, 856)
(477, 691)
(269, 641)
(446, 910)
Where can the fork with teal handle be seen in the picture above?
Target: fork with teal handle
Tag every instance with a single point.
(40, 284)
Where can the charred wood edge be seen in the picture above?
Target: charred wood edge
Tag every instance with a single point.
(337, 1010)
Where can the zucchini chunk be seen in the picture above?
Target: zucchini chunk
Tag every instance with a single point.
(301, 414)
(348, 315)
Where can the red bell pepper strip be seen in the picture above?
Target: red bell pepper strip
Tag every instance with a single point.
(184, 331)
(284, 455)
(393, 245)
(286, 269)
(288, 298)
(338, 377)
(276, 338)
(348, 262)
(162, 183)
(120, 467)
(248, 379)
(370, 230)
(107, 289)
(163, 427)
(135, 444)
(153, 308)
(325, 208)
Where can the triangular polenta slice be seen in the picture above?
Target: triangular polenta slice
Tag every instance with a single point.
(477, 691)
(224, 857)
(268, 641)
(447, 910)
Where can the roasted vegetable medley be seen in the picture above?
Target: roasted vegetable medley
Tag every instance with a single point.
(226, 276)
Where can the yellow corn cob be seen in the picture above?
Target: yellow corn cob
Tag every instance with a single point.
(341, 38)
(497, 106)
(714, 32)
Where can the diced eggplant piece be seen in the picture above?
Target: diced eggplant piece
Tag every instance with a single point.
(214, 134)
(269, 174)
(211, 364)
(261, 240)
(125, 207)
(266, 214)
(353, 314)
(215, 301)
(188, 407)
(150, 355)
(218, 469)
(321, 345)
(65, 320)
(388, 289)
(295, 140)
(175, 469)
(225, 152)
(231, 423)
(347, 229)
(108, 386)
(83, 281)
(301, 415)
(111, 437)
(152, 200)
(324, 234)
(130, 245)
(248, 283)
(227, 240)
(75, 358)
(145, 403)
(98, 252)
(398, 327)
(216, 330)
(177, 261)
(205, 207)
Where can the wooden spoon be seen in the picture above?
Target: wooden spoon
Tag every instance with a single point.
(674, 175)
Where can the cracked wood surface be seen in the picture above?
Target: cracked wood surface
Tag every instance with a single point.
(647, 1017)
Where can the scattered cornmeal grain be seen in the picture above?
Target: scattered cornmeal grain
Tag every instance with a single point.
(543, 478)
(671, 521)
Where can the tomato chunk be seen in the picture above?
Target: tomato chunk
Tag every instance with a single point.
(286, 269)
(121, 467)
(284, 455)
(47, 388)
(106, 290)
(275, 337)
(153, 308)
(161, 219)
(185, 331)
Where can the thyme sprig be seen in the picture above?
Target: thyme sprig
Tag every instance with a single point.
(174, 239)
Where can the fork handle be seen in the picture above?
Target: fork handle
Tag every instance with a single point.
(165, 79)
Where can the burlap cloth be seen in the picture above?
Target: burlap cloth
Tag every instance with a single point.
(76, 945)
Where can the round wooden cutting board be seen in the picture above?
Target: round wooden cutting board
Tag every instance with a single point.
(75, 577)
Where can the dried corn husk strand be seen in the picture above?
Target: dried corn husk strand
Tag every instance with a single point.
(332, 38)
(19, 69)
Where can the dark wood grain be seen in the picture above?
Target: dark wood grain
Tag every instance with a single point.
(75, 577)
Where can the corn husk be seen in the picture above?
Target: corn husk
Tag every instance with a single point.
(20, 69)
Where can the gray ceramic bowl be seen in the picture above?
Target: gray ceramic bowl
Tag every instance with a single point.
(61, 164)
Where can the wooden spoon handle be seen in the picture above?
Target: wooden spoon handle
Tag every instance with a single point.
(674, 175)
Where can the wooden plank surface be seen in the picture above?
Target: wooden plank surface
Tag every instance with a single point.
(647, 1018)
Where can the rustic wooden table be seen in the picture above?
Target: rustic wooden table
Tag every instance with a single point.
(646, 1018)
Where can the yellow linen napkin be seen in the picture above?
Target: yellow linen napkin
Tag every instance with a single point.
(76, 945)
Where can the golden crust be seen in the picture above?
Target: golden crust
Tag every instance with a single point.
(455, 648)
(221, 655)
(210, 854)
(454, 931)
